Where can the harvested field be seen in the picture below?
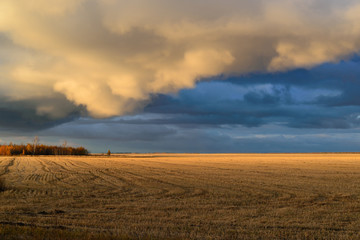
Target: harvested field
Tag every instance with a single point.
(181, 196)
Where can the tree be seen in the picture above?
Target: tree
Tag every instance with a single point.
(29, 149)
(35, 143)
(64, 152)
(108, 152)
(3, 150)
(41, 149)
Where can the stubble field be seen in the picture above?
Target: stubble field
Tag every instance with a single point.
(181, 196)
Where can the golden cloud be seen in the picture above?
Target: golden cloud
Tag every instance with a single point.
(112, 55)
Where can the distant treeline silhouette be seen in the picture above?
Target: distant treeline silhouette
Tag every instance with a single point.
(41, 149)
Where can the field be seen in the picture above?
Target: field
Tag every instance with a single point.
(181, 196)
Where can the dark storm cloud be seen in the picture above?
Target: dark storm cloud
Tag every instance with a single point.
(343, 77)
(296, 111)
(111, 56)
(32, 115)
(94, 129)
(323, 97)
(170, 138)
(281, 63)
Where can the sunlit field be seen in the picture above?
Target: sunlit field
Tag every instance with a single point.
(181, 196)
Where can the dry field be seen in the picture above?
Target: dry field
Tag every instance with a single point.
(181, 196)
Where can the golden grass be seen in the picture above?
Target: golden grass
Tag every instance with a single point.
(2, 185)
(181, 196)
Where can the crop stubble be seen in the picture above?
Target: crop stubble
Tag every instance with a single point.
(186, 196)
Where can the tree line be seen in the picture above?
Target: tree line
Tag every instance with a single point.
(40, 149)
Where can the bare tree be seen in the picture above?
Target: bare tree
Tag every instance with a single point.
(35, 143)
(64, 147)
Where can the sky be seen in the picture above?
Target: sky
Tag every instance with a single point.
(181, 76)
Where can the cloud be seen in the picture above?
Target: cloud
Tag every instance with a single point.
(112, 131)
(36, 114)
(301, 110)
(139, 137)
(324, 97)
(112, 56)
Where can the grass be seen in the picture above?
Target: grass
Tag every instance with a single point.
(2, 185)
(9, 232)
(182, 196)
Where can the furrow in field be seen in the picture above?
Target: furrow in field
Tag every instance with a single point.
(183, 184)
(7, 166)
(57, 174)
(151, 186)
(189, 196)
